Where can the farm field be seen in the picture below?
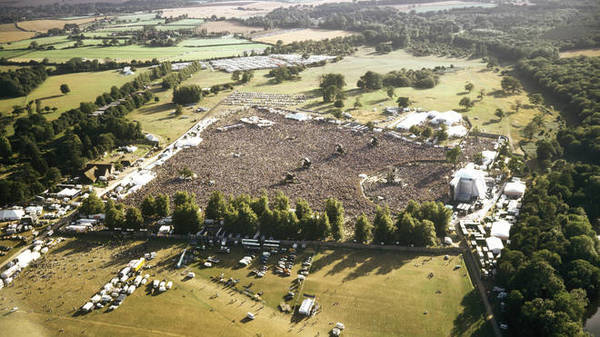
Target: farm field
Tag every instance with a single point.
(232, 27)
(77, 269)
(134, 52)
(10, 33)
(156, 118)
(444, 96)
(581, 52)
(84, 87)
(44, 25)
(295, 35)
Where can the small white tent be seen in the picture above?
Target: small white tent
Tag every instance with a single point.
(468, 184)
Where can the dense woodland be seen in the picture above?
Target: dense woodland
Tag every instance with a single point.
(20, 82)
(43, 151)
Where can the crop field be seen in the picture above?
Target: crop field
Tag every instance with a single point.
(212, 49)
(84, 87)
(398, 282)
(295, 35)
(44, 25)
(267, 154)
(10, 33)
(232, 27)
(581, 52)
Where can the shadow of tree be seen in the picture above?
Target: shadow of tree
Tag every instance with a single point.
(471, 321)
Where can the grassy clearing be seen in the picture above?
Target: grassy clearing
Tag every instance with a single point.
(84, 87)
(372, 293)
(582, 52)
(157, 118)
(289, 36)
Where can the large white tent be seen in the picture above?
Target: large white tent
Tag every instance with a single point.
(501, 229)
(467, 184)
(494, 245)
(11, 214)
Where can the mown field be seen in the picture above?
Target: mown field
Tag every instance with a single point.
(581, 52)
(390, 301)
(295, 35)
(44, 25)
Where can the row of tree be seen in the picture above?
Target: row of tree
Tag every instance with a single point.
(421, 79)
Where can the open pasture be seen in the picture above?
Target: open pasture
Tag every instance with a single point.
(84, 87)
(49, 293)
(296, 35)
(441, 6)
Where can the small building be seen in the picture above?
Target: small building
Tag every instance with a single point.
(514, 189)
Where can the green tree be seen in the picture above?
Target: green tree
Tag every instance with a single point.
(183, 197)
(453, 155)
(335, 214)
(403, 102)
(133, 218)
(357, 103)
(466, 103)
(469, 87)
(216, 206)
(186, 218)
(370, 81)
(147, 207)
(536, 99)
(161, 205)
(363, 230)
(5, 148)
(383, 225)
(322, 227)
(390, 91)
(178, 110)
(91, 205)
(64, 88)
(281, 202)
(303, 209)
(499, 113)
(510, 85)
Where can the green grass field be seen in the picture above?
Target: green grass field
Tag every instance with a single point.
(391, 301)
(156, 118)
(136, 52)
(84, 87)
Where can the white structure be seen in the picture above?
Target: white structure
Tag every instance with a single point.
(68, 193)
(514, 189)
(501, 229)
(306, 306)
(494, 245)
(468, 184)
(11, 214)
(151, 138)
